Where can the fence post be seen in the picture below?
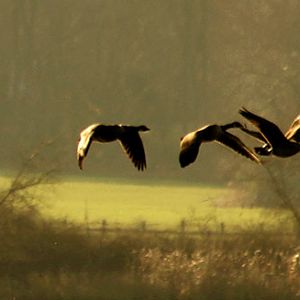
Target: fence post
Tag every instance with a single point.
(103, 228)
(182, 226)
(222, 227)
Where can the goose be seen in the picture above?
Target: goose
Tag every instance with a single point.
(293, 134)
(128, 136)
(190, 143)
(276, 143)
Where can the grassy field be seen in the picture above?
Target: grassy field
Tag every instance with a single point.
(47, 259)
(160, 205)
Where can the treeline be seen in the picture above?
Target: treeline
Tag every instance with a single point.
(173, 65)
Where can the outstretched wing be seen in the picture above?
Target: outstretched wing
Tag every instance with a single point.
(269, 130)
(188, 155)
(133, 146)
(237, 145)
(293, 133)
(84, 143)
(256, 134)
(189, 149)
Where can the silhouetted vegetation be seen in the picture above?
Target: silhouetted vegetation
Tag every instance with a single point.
(57, 260)
(60, 260)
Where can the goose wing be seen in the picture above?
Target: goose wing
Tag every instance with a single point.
(269, 130)
(256, 134)
(85, 141)
(293, 133)
(266, 148)
(237, 145)
(188, 154)
(133, 146)
(189, 147)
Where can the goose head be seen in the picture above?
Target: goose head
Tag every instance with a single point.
(143, 128)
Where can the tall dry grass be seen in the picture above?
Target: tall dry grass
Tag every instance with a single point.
(42, 259)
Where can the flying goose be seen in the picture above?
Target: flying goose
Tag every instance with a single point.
(293, 134)
(190, 143)
(276, 142)
(128, 136)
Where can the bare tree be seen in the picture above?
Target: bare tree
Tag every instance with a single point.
(281, 189)
(30, 176)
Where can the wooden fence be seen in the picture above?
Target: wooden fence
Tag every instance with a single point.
(183, 228)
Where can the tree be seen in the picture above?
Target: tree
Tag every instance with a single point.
(32, 174)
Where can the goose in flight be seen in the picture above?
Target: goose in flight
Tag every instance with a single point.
(128, 136)
(190, 143)
(276, 143)
(292, 134)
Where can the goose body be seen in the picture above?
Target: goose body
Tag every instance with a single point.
(128, 136)
(191, 142)
(276, 143)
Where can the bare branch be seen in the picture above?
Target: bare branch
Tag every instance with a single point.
(280, 190)
(21, 188)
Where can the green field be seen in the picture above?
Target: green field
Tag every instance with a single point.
(159, 205)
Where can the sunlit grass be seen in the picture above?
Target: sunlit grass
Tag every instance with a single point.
(129, 202)
(160, 205)
(60, 260)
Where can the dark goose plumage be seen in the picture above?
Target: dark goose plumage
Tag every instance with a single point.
(128, 136)
(277, 143)
(190, 143)
(293, 134)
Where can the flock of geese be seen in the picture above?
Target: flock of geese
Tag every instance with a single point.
(275, 142)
